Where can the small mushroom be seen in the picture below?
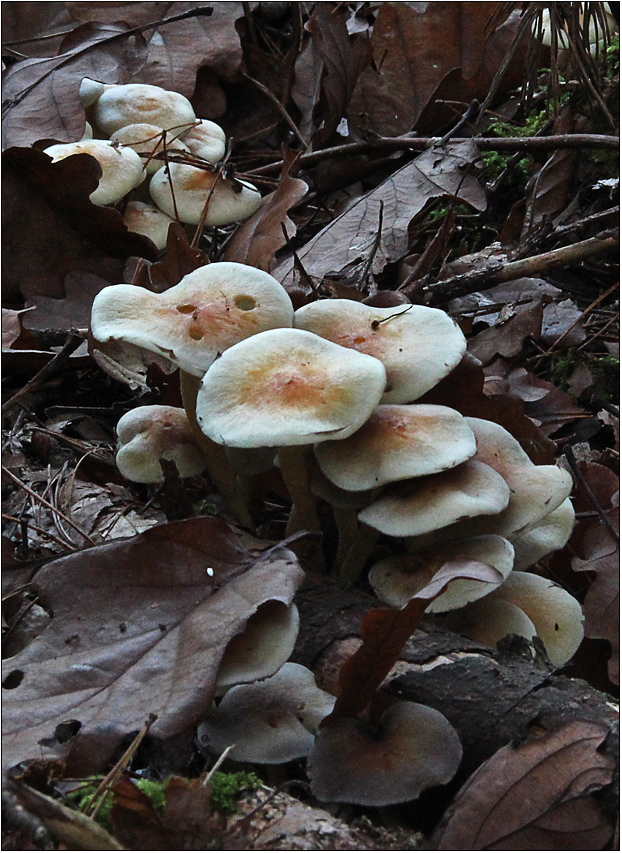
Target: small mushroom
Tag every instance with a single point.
(148, 140)
(398, 578)
(417, 345)
(141, 103)
(122, 168)
(229, 201)
(489, 620)
(262, 648)
(423, 504)
(396, 443)
(193, 322)
(90, 90)
(271, 721)
(414, 748)
(150, 433)
(207, 140)
(541, 538)
(148, 220)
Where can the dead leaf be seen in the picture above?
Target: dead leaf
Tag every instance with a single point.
(139, 627)
(349, 239)
(384, 633)
(176, 50)
(426, 52)
(32, 24)
(42, 93)
(536, 796)
(602, 602)
(507, 338)
(53, 228)
(180, 259)
(257, 240)
(560, 319)
(72, 312)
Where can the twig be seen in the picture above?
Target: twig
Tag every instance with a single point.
(581, 316)
(47, 504)
(37, 529)
(592, 498)
(54, 366)
(280, 108)
(420, 143)
(482, 279)
(374, 248)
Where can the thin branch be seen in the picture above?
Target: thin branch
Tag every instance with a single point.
(54, 366)
(581, 316)
(280, 108)
(572, 462)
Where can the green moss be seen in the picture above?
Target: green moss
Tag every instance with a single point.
(227, 787)
(562, 366)
(606, 373)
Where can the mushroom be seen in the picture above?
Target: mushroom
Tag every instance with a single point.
(287, 388)
(396, 443)
(262, 648)
(148, 220)
(148, 140)
(90, 90)
(207, 140)
(192, 188)
(271, 721)
(398, 578)
(190, 324)
(141, 103)
(417, 345)
(536, 490)
(150, 433)
(555, 615)
(414, 748)
(424, 504)
(122, 168)
(541, 538)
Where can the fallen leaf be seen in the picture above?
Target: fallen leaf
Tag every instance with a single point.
(53, 228)
(602, 602)
(139, 626)
(350, 238)
(72, 312)
(536, 796)
(180, 259)
(507, 338)
(257, 240)
(384, 633)
(30, 20)
(41, 94)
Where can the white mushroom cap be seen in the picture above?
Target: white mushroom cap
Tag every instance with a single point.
(148, 220)
(338, 498)
(262, 648)
(271, 721)
(397, 579)
(207, 140)
(147, 139)
(287, 387)
(418, 506)
(191, 323)
(229, 201)
(396, 443)
(536, 490)
(140, 103)
(556, 614)
(88, 131)
(150, 433)
(489, 620)
(90, 90)
(352, 763)
(417, 345)
(122, 168)
(541, 538)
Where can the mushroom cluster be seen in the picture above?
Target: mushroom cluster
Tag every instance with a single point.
(330, 394)
(141, 128)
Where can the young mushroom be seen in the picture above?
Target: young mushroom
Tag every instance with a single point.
(149, 140)
(150, 433)
(206, 140)
(544, 536)
(417, 345)
(414, 748)
(182, 191)
(141, 103)
(122, 168)
(270, 721)
(147, 220)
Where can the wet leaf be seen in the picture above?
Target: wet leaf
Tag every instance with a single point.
(41, 95)
(384, 633)
(53, 228)
(350, 238)
(257, 240)
(180, 259)
(537, 796)
(139, 626)
(507, 338)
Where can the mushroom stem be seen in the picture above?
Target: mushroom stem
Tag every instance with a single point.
(303, 514)
(358, 554)
(347, 528)
(219, 468)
